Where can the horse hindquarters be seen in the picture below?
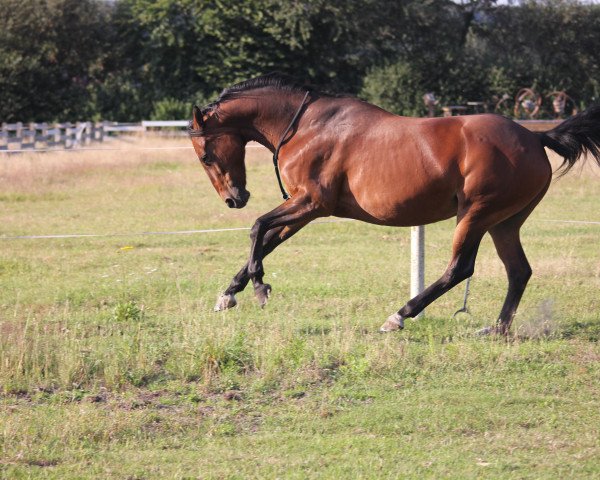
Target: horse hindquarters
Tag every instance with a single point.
(499, 192)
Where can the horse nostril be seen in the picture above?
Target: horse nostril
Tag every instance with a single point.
(230, 202)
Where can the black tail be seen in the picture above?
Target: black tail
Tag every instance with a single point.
(575, 136)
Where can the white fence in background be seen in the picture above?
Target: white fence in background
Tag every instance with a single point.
(32, 136)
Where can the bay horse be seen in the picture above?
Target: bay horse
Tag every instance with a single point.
(345, 157)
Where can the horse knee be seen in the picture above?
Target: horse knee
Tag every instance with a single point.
(255, 230)
(255, 270)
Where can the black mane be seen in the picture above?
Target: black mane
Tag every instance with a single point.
(276, 80)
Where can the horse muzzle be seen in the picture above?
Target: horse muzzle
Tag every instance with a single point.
(238, 201)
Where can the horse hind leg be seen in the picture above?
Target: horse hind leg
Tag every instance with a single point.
(507, 240)
(465, 244)
(508, 245)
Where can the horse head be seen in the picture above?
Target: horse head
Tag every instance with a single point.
(221, 150)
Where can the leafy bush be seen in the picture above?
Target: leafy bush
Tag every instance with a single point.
(395, 87)
(170, 109)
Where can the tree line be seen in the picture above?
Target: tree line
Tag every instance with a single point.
(126, 60)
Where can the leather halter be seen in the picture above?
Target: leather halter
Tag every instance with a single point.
(286, 195)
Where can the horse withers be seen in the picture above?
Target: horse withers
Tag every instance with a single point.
(345, 157)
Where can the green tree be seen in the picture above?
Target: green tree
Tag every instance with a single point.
(395, 87)
(548, 45)
(50, 53)
(187, 50)
(131, 59)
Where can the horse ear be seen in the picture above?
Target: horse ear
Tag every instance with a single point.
(197, 118)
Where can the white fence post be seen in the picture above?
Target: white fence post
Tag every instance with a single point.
(417, 262)
(99, 131)
(19, 135)
(43, 137)
(87, 136)
(28, 136)
(4, 137)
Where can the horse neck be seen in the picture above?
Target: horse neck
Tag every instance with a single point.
(263, 117)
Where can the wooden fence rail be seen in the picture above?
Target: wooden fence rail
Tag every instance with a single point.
(30, 136)
(19, 136)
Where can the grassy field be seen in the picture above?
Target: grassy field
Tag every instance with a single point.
(113, 365)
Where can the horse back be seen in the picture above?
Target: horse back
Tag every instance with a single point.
(407, 171)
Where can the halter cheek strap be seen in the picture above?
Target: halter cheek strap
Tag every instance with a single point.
(286, 195)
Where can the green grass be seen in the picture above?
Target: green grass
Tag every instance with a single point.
(113, 365)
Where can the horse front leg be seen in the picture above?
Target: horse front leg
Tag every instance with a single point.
(298, 210)
(271, 241)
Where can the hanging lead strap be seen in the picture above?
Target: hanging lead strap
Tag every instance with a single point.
(464, 308)
(286, 195)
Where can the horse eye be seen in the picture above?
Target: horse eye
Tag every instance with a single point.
(205, 159)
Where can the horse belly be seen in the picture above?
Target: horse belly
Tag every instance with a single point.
(403, 172)
(395, 201)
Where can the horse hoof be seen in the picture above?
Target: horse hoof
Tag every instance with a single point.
(263, 292)
(393, 323)
(225, 301)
